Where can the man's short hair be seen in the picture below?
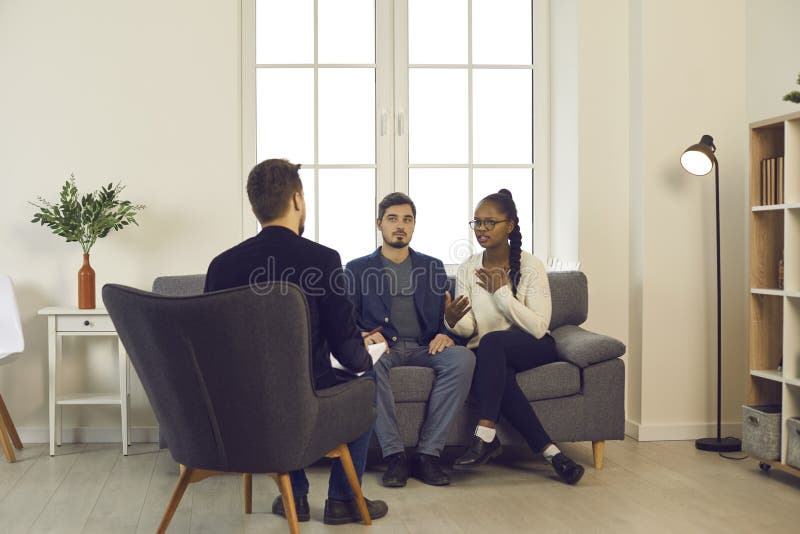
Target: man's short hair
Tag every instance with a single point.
(395, 199)
(270, 185)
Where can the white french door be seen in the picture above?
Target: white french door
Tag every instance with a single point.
(434, 98)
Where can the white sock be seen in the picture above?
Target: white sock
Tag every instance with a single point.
(549, 452)
(485, 433)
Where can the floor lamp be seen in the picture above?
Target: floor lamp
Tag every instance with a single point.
(699, 159)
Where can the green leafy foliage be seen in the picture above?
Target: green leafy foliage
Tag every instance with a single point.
(793, 96)
(85, 219)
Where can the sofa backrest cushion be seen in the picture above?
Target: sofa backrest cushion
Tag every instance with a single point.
(569, 291)
(179, 286)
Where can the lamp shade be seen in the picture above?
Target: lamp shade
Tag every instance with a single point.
(699, 159)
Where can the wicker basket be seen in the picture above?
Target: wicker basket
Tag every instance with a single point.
(761, 431)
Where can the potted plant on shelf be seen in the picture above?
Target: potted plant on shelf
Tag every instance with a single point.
(85, 219)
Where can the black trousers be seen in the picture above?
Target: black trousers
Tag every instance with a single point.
(500, 356)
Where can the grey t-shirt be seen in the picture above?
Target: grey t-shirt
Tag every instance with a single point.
(401, 289)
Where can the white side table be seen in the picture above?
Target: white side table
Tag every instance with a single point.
(76, 322)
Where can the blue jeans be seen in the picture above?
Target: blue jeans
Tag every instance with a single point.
(338, 486)
(453, 368)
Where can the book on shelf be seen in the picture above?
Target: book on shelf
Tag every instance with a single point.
(772, 181)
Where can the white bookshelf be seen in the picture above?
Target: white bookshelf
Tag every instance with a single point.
(774, 312)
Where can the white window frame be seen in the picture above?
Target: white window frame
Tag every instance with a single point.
(391, 101)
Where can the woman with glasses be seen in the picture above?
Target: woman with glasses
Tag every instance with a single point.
(503, 307)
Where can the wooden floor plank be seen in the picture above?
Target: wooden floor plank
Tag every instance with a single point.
(31, 494)
(125, 490)
(71, 504)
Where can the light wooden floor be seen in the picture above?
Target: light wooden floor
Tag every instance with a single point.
(644, 487)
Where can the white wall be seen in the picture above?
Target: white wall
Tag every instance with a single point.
(143, 92)
(646, 92)
(773, 42)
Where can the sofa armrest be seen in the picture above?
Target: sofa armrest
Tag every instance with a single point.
(583, 348)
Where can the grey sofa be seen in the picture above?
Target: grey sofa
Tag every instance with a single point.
(580, 398)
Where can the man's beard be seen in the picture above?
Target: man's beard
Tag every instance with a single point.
(396, 244)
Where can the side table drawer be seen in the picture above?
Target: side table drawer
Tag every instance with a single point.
(84, 323)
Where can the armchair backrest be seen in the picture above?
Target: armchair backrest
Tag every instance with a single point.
(227, 373)
(12, 341)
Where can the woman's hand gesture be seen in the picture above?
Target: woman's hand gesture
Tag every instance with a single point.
(492, 279)
(454, 310)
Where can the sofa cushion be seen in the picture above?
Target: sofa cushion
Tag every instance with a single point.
(583, 348)
(559, 379)
(569, 291)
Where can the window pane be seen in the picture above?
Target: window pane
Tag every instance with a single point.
(520, 183)
(347, 211)
(285, 114)
(501, 32)
(346, 116)
(346, 31)
(437, 31)
(502, 116)
(284, 31)
(307, 177)
(437, 123)
(441, 198)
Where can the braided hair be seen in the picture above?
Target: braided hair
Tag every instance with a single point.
(504, 201)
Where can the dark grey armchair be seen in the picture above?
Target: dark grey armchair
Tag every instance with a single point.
(228, 376)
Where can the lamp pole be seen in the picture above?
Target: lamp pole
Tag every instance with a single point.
(718, 444)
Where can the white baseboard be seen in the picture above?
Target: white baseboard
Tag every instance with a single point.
(679, 432)
(142, 434)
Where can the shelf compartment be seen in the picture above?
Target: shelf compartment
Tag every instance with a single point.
(791, 340)
(791, 258)
(765, 142)
(766, 248)
(764, 391)
(766, 331)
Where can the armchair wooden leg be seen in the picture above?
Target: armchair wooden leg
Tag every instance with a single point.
(285, 486)
(8, 451)
(247, 491)
(598, 447)
(343, 453)
(9, 424)
(183, 481)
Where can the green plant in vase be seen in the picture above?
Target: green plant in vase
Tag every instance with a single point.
(85, 219)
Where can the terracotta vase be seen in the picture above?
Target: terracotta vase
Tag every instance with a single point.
(86, 285)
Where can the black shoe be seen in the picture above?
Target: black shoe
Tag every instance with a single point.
(427, 469)
(396, 474)
(569, 471)
(300, 505)
(341, 512)
(478, 453)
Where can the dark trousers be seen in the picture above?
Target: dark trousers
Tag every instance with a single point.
(338, 485)
(500, 356)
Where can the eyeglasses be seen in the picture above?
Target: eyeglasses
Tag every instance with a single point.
(489, 224)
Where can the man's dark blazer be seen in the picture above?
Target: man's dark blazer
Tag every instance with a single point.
(372, 298)
(277, 253)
